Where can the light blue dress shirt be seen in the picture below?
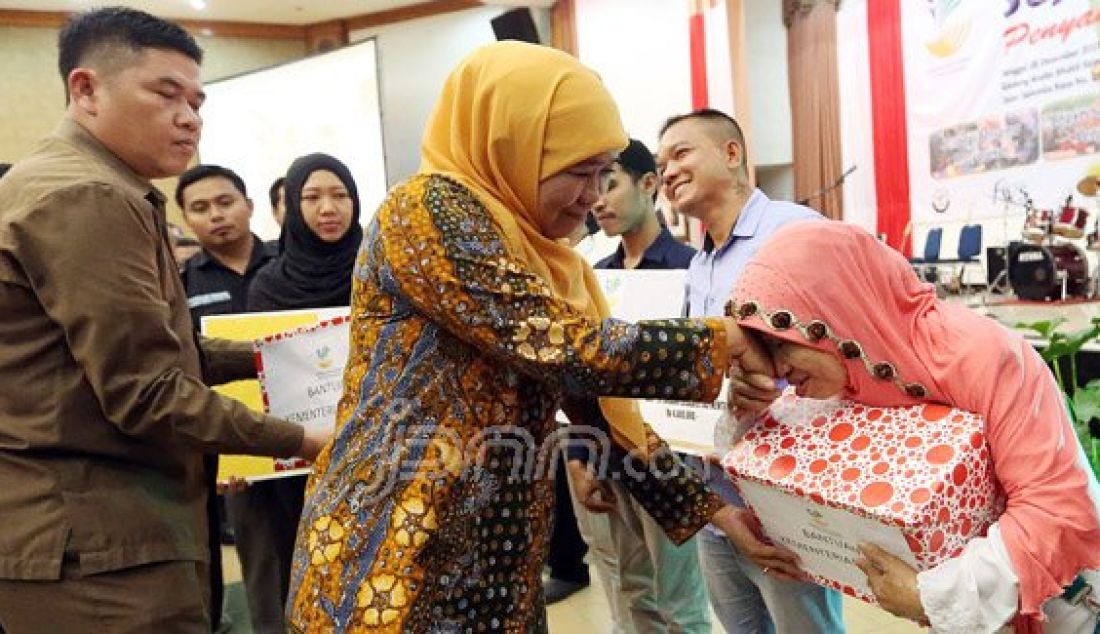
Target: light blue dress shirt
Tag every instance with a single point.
(714, 270)
(744, 598)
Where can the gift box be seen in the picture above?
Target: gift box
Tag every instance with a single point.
(823, 476)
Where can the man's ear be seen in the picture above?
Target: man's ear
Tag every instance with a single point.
(650, 183)
(251, 207)
(84, 85)
(735, 154)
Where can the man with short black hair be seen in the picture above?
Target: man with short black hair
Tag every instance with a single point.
(104, 414)
(651, 584)
(216, 207)
(704, 175)
(626, 208)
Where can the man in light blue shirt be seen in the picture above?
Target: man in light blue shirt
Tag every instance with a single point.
(705, 176)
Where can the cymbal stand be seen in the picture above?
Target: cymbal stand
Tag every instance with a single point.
(1001, 283)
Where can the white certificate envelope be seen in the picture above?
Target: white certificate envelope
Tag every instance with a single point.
(824, 538)
(255, 327)
(301, 373)
(641, 295)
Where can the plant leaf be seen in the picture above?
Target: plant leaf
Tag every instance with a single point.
(1057, 347)
(1086, 402)
(1045, 327)
(1077, 339)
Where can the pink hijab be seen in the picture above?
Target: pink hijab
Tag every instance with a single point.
(833, 286)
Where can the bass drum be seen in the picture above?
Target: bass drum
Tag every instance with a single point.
(1037, 272)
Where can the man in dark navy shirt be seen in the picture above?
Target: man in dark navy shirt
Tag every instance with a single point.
(217, 209)
(627, 209)
(652, 584)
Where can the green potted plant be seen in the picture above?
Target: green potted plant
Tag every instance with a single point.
(1082, 401)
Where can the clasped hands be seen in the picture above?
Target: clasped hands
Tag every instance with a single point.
(751, 371)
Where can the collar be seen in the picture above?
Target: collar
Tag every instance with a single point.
(658, 251)
(72, 132)
(655, 253)
(259, 256)
(748, 221)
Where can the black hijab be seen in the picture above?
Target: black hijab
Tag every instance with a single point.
(309, 272)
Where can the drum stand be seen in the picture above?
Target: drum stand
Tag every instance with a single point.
(1000, 283)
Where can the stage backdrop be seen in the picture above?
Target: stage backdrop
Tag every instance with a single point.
(1002, 98)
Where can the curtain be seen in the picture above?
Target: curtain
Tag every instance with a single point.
(697, 40)
(815, 102)
(563, 26)
(889, 129)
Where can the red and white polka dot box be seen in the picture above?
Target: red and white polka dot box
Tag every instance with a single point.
(823, 476)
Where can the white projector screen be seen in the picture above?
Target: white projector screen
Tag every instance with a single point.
(256, 124)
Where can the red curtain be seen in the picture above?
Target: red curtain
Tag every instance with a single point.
(700, 98)
(890, 133)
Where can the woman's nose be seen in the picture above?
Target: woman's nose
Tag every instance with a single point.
(782, 367)
(591, 192)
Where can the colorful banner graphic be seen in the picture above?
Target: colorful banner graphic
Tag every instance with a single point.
(1003, 103)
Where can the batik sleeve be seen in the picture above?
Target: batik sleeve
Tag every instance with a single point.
(447, 257)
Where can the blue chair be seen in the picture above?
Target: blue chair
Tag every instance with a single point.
(970, 243)
(931, 247)
(925, 267)
(970, 246)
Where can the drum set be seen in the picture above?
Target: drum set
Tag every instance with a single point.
(1047, 264)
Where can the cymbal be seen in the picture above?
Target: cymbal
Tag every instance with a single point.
(1088, 186)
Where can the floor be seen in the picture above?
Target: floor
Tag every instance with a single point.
(585, 611)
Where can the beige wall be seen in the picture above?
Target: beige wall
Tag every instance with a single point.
(32, 96)
(226, 56)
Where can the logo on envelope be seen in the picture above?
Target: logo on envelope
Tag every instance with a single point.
(324, 358)
(817, 519)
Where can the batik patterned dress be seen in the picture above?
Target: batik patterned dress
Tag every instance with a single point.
(431, 509)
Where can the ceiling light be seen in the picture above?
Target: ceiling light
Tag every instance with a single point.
(198, 5)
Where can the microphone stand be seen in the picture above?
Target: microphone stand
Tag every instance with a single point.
(825, 190)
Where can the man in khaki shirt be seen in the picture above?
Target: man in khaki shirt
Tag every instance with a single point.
(104, 415)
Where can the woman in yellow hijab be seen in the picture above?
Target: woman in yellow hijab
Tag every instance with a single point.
(472, 323)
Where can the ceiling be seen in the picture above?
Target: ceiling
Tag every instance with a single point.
(267, 11)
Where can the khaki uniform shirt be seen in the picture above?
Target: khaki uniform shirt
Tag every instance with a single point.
(103, 411)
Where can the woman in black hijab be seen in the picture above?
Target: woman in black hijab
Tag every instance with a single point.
(318, 246)
(319, 242)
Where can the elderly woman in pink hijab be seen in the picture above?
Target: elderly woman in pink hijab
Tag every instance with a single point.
(844, 315)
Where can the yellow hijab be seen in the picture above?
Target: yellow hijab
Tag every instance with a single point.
(511, 115)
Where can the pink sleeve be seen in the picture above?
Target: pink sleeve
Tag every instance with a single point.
(1050, 526)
